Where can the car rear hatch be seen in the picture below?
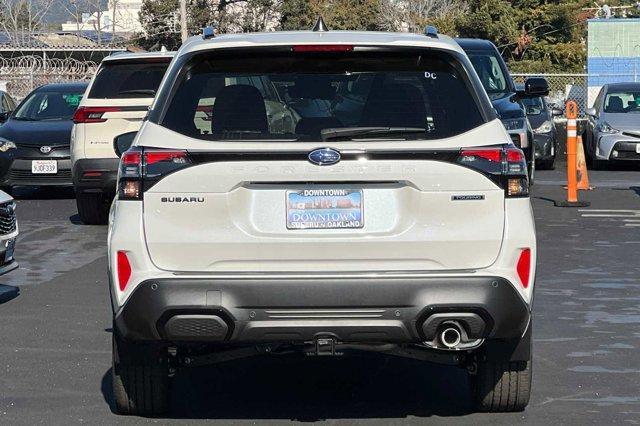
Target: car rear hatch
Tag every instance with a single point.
(118, 100)
(309, 191)
(411, 212)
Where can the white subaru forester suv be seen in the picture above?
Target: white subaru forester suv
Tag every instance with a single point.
(352, 191)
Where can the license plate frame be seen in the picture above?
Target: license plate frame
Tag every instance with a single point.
(325, 208)
(44, 167)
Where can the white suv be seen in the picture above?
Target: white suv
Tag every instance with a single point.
(379, 206)
(115, 102)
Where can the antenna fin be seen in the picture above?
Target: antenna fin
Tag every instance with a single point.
(320, 26)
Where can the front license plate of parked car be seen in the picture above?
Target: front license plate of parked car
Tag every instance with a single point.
(325, 209)
(44, 167)
(638, 148)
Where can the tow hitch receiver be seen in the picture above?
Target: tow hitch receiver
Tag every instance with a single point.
(325, 346)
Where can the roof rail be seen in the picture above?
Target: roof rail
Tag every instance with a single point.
(431, 31)
(209, 32)
(320, 26)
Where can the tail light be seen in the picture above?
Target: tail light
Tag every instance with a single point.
(507, 166)
(141, 168)
(523, 267)
(123, 269)
(92, 114)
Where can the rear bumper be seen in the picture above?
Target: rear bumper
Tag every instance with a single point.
(246, 310)
(95, 175)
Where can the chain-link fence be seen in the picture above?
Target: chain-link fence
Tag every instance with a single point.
(20, 75)
(582, 88)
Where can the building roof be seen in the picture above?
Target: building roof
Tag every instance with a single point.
(277, 38)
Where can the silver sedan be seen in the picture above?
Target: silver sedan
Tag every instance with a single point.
(613, 127)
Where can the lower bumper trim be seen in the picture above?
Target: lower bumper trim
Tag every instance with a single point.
(297, 310)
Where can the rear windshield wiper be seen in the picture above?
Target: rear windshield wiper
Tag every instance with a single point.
(348, 132)
(146, 92)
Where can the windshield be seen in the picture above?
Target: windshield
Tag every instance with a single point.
(487, 66)
(534, 106)
(622, 102)
(118, 80)
(50, 106)
(290, 96)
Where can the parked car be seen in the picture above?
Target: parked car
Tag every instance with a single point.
(8, 233)
(7, 105)
(545, 140)
(612, 131)
(409, 233)
(506, 99)
(34, 141)
(117, 100)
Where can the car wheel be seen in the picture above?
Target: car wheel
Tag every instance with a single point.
(502, 386)
(93, 208)
(140, 379)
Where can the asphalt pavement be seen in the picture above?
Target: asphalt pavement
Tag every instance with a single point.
(55, 347)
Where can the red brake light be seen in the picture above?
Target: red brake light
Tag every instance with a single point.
(523, 267)
(152, 157)
(92, 114)
(515, 155)
(491, 154)
(123, 270)
(131, 158)
(303, 48)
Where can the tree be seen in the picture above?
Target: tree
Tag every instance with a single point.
(414, 15)
(23, 15)
(338, 14)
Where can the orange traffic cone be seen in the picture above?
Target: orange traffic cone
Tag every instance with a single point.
(583, 177)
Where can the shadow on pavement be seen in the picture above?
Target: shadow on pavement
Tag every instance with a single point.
(8, 292)
(311, 389)
(43, 193)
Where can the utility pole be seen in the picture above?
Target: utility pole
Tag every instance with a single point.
(183, 20)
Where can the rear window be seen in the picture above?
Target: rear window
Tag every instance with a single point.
(120, 80)
(320, 96)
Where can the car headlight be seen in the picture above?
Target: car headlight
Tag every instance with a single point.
(604, 127)
(545, 127)
(6, 145)
(514, 123)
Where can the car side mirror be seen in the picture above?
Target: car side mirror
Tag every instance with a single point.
(4, 116)
(556, 112)
(535, 87)
(123, 142)
(591, 112)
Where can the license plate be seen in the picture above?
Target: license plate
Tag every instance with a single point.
(325, 209)
(638, 148)
(44, 167)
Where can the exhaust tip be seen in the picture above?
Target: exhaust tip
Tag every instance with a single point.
(450, 336)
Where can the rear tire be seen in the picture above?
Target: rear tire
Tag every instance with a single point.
(140, 379)
(93, 208)
(502, 386)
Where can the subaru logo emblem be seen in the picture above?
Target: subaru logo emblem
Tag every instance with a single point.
(45, 149)
(324, 156)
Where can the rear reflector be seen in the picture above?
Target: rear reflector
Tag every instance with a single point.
(303, 48)
(523, 268)
(92, 114)
(123, 270)
(91, 174)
